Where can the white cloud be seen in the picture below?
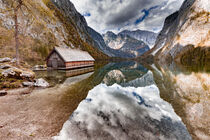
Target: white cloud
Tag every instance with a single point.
(117, 15)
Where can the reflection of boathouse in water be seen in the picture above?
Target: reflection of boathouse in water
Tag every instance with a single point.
(66, 58)
(77, 72)
(55, 77)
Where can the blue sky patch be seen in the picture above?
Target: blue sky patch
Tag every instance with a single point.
(86, 14)
(146, 14)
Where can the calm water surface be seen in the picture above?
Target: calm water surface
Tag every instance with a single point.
(126, 100)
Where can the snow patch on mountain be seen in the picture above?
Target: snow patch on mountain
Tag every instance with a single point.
(125, 44)
(146, 36)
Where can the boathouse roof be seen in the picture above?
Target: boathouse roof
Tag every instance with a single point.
(69, 55)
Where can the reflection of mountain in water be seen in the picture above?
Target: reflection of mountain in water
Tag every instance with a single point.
(114, 76)
(117, 112)
(188, 91)
(145, 80)
(123, 72)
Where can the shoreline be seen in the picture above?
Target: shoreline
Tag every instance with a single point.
(40, 114)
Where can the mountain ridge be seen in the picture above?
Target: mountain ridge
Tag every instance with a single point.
(125, 43)
(185, 37)
(148, 37)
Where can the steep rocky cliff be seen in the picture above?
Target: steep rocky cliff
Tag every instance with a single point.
(185, 36)
(44, 24)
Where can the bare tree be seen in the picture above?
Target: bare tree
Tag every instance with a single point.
(16, 6)
(17, 42)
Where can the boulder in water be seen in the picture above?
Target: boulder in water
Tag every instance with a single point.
(41, 83)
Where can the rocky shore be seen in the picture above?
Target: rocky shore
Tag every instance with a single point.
(41, 114)
(15, 77)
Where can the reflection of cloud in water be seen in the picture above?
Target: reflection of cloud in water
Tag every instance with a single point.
(124, 113)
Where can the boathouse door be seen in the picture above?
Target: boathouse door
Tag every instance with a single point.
(55, 63)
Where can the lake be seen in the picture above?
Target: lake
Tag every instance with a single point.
(116, 100)
(128, 100)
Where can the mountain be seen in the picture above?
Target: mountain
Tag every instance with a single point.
(44, 24)
(100, 44)
(126, 44)
(145, 36)
(185, 36)
(87, 34)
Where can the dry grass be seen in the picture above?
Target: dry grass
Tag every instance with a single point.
(40, 13)
(201, 14)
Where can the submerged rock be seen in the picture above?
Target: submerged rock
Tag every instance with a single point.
(41, 83)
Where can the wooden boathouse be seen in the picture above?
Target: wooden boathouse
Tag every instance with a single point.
(66, 58)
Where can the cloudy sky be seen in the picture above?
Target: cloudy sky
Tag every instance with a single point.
(117, 15)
